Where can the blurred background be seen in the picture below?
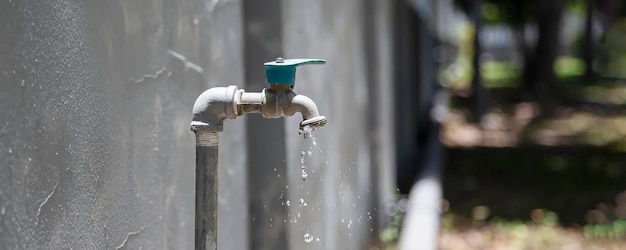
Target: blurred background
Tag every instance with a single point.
(534, 137)
(465, 124)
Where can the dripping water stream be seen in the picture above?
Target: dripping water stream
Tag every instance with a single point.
(308, 134)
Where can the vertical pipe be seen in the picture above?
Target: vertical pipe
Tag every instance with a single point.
(206, 190)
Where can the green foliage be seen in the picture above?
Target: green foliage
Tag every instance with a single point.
(501, 11)
(550, 219)
(392, 232)
(577, 7)
(500, 74)
(569, 67)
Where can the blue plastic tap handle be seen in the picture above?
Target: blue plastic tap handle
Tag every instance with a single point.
(283, 71)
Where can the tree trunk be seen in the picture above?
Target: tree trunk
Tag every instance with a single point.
(588, 45)
(540, 79)
(479, 93)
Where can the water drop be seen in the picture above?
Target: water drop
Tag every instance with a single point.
(10, 151)
(288, 203)
(308, 238)
(308, 133)
(309, 152)
(301, 153)
(304, 175)
(301, 201)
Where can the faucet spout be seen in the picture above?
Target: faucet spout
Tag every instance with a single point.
(309, 111)
(279, 101)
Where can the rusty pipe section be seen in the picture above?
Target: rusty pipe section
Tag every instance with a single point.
(206, 190)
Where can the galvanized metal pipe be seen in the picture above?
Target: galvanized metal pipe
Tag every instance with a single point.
(206, 189)
(210, 110)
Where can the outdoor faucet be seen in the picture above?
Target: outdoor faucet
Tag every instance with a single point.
(217, 104)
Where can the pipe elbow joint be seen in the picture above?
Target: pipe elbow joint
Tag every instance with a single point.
(212, 107)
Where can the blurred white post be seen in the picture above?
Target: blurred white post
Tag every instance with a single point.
(421, 224)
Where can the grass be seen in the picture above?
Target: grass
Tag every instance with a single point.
(543, 232)
(496, 74)
(502, 234)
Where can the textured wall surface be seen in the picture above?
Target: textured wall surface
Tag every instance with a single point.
(347, 177)
(96, 97)
(95, 147)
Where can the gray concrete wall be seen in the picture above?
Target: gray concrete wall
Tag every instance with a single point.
(95, 147)
(350, 169)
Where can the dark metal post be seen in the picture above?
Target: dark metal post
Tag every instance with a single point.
(206, 190)
(263, 41)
